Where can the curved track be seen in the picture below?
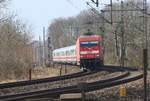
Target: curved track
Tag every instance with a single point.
(57, 78)
(125, 77)
(70, 89)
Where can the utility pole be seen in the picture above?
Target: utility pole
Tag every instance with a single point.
(49, 49)
(116, 42)
(103, 31)
(145, 51)
(122, 35)
(111, 5)
(44, 52)
(35, 54)
(40, 52)
(25, 46)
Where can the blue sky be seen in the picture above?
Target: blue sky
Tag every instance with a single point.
(39, 13)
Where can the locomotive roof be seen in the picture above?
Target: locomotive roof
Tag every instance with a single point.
(93, 35)
(90, 38)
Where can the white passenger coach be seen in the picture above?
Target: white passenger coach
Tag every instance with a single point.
(65, 54)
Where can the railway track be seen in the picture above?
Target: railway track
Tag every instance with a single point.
(44, 80)
(125, 77)
(64, 77)
(55, 92)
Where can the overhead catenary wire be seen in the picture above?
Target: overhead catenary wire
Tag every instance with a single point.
(72, 4)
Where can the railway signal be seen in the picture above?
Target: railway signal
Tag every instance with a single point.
(49, 49)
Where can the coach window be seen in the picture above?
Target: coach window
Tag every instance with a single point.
(57, 54)
(72, 52)
(67, 53)
(63, 53)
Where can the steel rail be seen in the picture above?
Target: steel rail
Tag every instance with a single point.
(43, 80)
(116, 68)
(58, 91)
(114, 83)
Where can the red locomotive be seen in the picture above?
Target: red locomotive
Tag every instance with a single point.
(88, 52)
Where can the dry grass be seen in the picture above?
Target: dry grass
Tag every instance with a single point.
(51, 72)
(44, 72)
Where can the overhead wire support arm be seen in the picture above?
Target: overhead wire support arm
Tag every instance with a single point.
(96, 2)
(111, 7)
(117, 10)
(97, 12)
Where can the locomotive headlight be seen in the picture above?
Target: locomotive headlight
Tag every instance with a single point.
(83, 52)
(81, 56)
(94, 52)
(97, 55)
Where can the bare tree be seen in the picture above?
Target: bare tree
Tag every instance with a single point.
(15, 59)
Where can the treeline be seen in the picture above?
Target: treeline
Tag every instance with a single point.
(64, 31)
(14, 43)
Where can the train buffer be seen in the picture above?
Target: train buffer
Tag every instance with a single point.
(71, 97)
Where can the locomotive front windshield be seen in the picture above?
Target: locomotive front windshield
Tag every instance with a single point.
(89, 44)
